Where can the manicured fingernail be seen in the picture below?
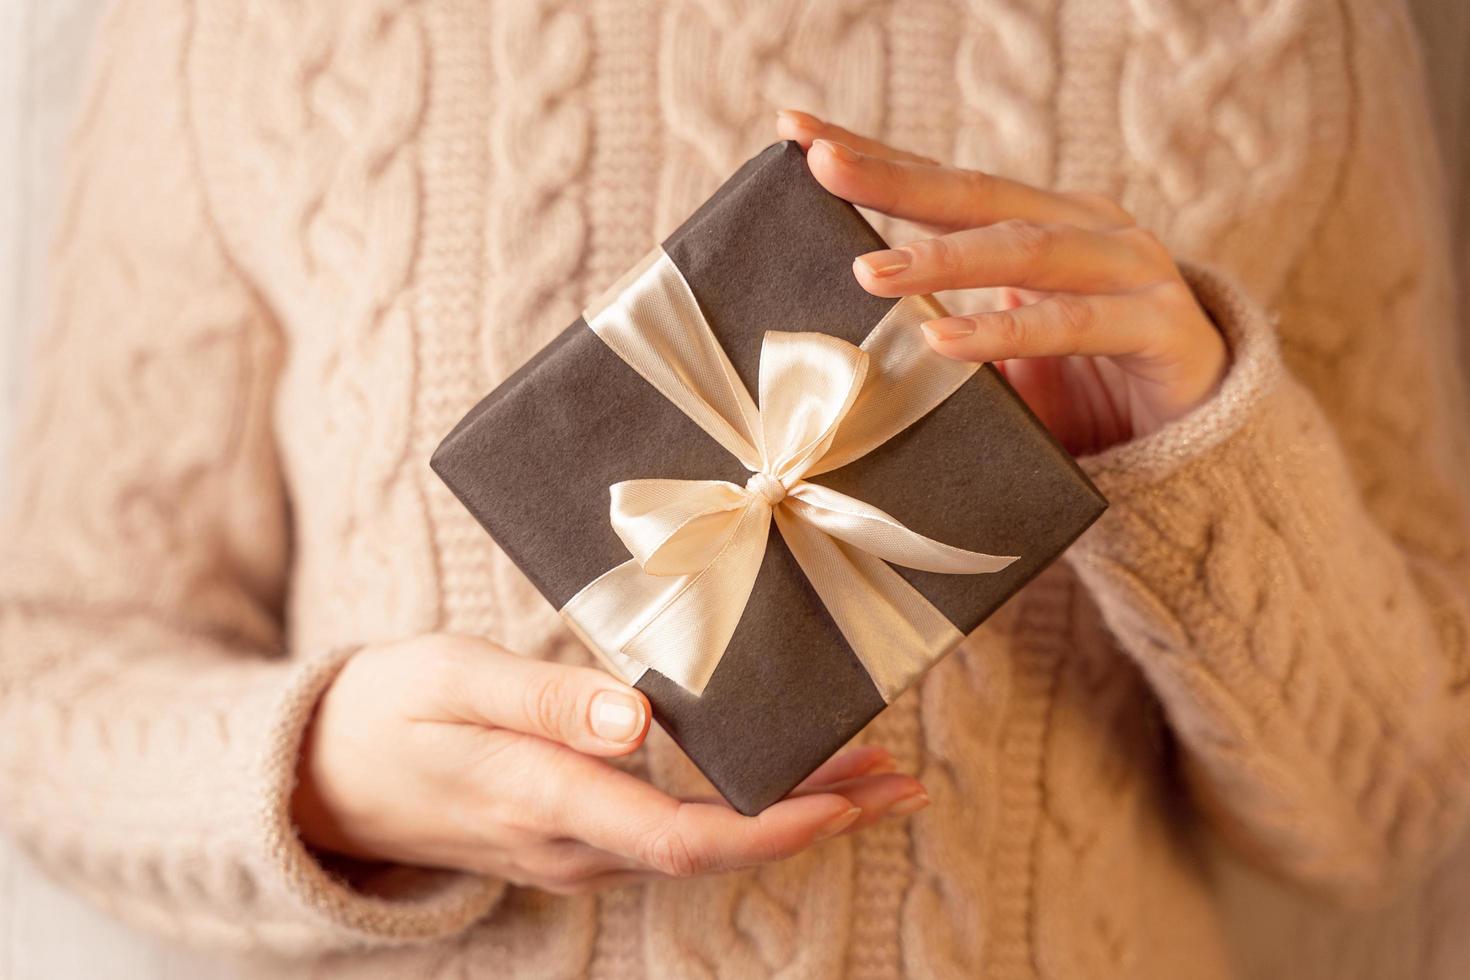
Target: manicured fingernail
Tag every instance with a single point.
(951, 328)
(886, 262)
(841, 151)
(838, 823)
(616, 716)
(909, 804)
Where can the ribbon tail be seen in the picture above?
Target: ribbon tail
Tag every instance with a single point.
(882, 535)
(678, 625)
(611, 608)
(895, 632)
(651, 319)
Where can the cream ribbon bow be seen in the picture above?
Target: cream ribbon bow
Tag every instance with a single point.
(697, 545)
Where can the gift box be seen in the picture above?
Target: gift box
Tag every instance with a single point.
(753, 490)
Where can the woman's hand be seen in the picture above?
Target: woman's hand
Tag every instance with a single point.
(1098, 331)
(447, 751)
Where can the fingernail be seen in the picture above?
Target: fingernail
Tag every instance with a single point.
(886, 262)
(909, 804)
(883, 765)
(841, 151)
(838, 823)
(616, 716)
(951, 328)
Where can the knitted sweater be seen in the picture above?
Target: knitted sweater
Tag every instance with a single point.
(299, 240)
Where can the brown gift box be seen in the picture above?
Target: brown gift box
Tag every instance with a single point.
(771, 249)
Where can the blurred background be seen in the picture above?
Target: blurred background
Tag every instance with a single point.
(45, 933)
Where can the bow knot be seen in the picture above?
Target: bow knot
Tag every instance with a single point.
(767, 487)
(698, 545)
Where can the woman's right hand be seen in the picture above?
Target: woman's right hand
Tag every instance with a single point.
(451, 752)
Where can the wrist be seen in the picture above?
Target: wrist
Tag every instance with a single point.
(1249, 369)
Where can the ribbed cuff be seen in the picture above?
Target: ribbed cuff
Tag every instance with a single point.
(413, 903)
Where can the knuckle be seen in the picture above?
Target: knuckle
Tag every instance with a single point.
(937, 256)
(435, 672)
(550, 706)
(1103, 206)
(561, 869)
(1075, 319)
(441, 660)
(513, 787)
(1009, 331)
(1145, 244)
(1030, 243)
(1176, 304)
(1175, 296)
(891, 184)
(669, 851)
(975, 184)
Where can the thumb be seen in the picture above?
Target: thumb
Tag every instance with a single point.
(580, 707)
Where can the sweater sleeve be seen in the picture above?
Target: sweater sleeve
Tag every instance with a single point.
(1312, 663)
(1290, 563)
(151, 718)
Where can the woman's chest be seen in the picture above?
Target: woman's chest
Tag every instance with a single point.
(427, 193)
(397, 158)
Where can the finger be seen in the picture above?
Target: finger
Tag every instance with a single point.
(682, 838)
(549, 791)
(1058, 326)
(859, 761)
(881, 795)
(700, 838)
(948, 197)
(1045, 258)
(580, 707)
(793, 124)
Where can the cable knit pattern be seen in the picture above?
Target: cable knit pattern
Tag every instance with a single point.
(301, 239)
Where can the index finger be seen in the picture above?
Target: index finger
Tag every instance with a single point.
(805, 127)
(949, 197)
(920, 189)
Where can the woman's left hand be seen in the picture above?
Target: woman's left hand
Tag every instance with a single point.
(1098, 332)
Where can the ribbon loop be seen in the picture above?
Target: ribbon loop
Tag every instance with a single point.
(675, 527)
(808, 383)
(697, 545)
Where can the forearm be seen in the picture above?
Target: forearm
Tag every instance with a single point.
(151, 769)
(1310, 664)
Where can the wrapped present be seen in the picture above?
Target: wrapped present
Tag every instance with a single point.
(755, 492)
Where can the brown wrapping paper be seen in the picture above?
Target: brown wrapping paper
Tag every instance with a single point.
(770, 250)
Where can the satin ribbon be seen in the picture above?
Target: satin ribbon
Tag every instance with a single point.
(697, 545)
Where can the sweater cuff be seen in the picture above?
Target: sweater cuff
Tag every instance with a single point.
(382, 903)
(1176, 493)
(1253, 374)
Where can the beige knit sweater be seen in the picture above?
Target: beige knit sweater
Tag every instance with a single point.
(300, 239)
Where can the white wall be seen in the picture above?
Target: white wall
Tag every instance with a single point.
(45, 932)
(42, 48)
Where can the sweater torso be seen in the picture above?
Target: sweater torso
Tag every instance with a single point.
(421, 195)
(428, 193)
